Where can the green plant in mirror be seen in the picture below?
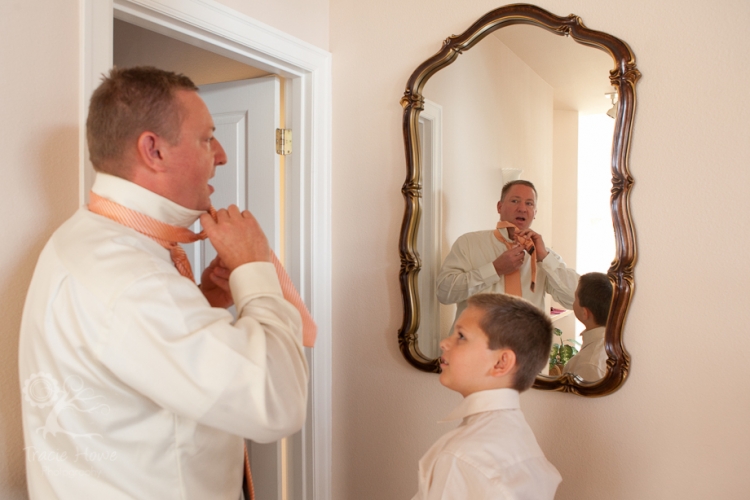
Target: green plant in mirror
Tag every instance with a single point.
(560, 353)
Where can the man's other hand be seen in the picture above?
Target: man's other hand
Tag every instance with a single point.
(509, 261)
(215, 284)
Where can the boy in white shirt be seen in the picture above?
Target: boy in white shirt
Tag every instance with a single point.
(591, 307)
(498, 346)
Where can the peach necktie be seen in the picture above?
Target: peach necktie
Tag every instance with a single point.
(170, 236)
(513, 280)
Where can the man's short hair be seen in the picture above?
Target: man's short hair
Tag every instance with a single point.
(595, 294)
(516, 324)
(520, 182)
(127, 103)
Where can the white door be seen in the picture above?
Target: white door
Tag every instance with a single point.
(246, 114)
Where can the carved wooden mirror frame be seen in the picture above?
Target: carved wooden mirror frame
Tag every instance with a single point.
(623, 77)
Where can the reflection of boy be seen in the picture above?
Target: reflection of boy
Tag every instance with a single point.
(591, 307)
(498, 346)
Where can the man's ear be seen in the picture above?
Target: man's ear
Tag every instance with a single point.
(150, 151)
(499, 205)
(505, 363)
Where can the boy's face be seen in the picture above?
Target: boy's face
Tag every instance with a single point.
(467, 360)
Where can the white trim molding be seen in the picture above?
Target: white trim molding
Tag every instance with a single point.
(215, 27)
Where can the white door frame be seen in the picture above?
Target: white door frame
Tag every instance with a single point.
(307, 70)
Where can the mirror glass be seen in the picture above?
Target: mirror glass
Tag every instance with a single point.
(521, 94)
(522, 103)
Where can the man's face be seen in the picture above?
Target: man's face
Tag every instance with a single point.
(192, 161)
(518, 207)
(467, 360)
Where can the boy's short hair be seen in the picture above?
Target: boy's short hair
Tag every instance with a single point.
(595, 294)
(516, 324)
(127, 103)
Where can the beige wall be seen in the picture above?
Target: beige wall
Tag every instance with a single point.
(677, 429)
(39, 141)
(305, 19)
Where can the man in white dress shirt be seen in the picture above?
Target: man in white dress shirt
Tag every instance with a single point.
(479, 262)
(498, 345)
(136, 383)
(591, 307)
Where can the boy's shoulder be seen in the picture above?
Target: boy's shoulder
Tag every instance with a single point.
(498, 435)
(493, 441)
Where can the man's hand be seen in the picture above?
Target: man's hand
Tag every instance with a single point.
(215, 284)
(237, 237)
(509, 261)
(540, 251)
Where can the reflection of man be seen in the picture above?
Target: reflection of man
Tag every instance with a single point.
(134, 385)
(591, 307)
(496, 261)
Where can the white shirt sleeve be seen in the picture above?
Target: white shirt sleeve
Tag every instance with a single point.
(562, 281)
(459, 279)
(248, 378)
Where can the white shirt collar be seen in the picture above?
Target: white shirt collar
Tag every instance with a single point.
(592, 335)
(490, 400)
(142, 200)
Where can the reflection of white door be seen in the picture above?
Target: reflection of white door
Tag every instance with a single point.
(246, 114)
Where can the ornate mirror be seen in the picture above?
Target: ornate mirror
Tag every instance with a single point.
(529, 103)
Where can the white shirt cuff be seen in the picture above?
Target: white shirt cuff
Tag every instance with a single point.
(251, 280)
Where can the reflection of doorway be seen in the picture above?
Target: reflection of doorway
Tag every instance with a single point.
(429, 236)
(307, 84)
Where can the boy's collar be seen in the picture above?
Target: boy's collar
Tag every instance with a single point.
(490, 400)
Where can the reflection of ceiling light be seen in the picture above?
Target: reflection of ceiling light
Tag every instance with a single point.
(612, 113)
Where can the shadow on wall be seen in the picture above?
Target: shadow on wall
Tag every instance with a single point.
(52, 197)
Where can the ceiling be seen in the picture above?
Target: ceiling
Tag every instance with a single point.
(578, 74)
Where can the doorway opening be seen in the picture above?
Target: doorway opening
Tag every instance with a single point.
(305, 73)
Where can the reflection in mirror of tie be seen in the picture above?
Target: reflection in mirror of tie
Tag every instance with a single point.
(524, 92)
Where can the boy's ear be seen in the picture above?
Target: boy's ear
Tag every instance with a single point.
(505, 362)
(587, 314)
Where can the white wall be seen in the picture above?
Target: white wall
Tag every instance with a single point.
(677, 429)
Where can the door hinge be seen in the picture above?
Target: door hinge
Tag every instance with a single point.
(283, 141)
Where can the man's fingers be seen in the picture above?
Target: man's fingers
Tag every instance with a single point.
(207, 220)
(234, 211)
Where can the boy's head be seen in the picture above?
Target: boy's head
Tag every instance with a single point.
(593, 298)
(498, 341)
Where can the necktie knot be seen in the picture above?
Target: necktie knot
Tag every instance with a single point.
(513, 280)
(169, 236)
